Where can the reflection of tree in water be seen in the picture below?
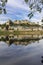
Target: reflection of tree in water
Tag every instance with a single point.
(19, 41)
(42, 59)
(6, 38)
(11, 41)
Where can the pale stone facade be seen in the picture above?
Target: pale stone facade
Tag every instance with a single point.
(17, 26)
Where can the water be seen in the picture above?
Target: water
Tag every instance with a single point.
(21, 50)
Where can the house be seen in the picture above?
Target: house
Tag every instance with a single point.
(16, 22)
(21, 25)
(9, 22)
(25, 25)
(11, 28)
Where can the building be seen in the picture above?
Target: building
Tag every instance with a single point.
(22, 25)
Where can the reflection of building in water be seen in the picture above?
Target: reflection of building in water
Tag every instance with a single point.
(20, 39)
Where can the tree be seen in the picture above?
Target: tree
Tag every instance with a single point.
(42, 20)
(7, 27)
(42, 23)
(34, 5)
(2, 6)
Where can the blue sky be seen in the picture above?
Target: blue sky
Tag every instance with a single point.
(18, 10)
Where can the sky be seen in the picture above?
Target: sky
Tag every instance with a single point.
(18, 10)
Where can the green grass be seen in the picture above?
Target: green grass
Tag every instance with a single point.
(27, 32)
(20, 32)
(5, 32)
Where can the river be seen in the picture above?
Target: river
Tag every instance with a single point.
(21, 50)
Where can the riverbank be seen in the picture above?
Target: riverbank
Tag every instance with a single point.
(28, 32)
(21, 32)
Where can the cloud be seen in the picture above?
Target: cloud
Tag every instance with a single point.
(18, 4)
(18, 10)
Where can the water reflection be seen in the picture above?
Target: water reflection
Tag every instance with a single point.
(21, 50)
(42, 59)
(20, 39)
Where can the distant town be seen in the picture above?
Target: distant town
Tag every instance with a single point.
(21, 26)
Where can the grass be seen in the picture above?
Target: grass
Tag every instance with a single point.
(27, 32)
(21, 32)
(5, 32)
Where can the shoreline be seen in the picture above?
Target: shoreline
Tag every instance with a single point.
(21, 32)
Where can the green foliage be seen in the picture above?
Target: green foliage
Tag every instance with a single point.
(2, 6)
(34, 5)
(26, 1)
(31, 6)
(3, 0)
(4, 11)
(42, 20)
(0, 10)
(30, 15)
(38, 9)
(42, 1)
(7, 27)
